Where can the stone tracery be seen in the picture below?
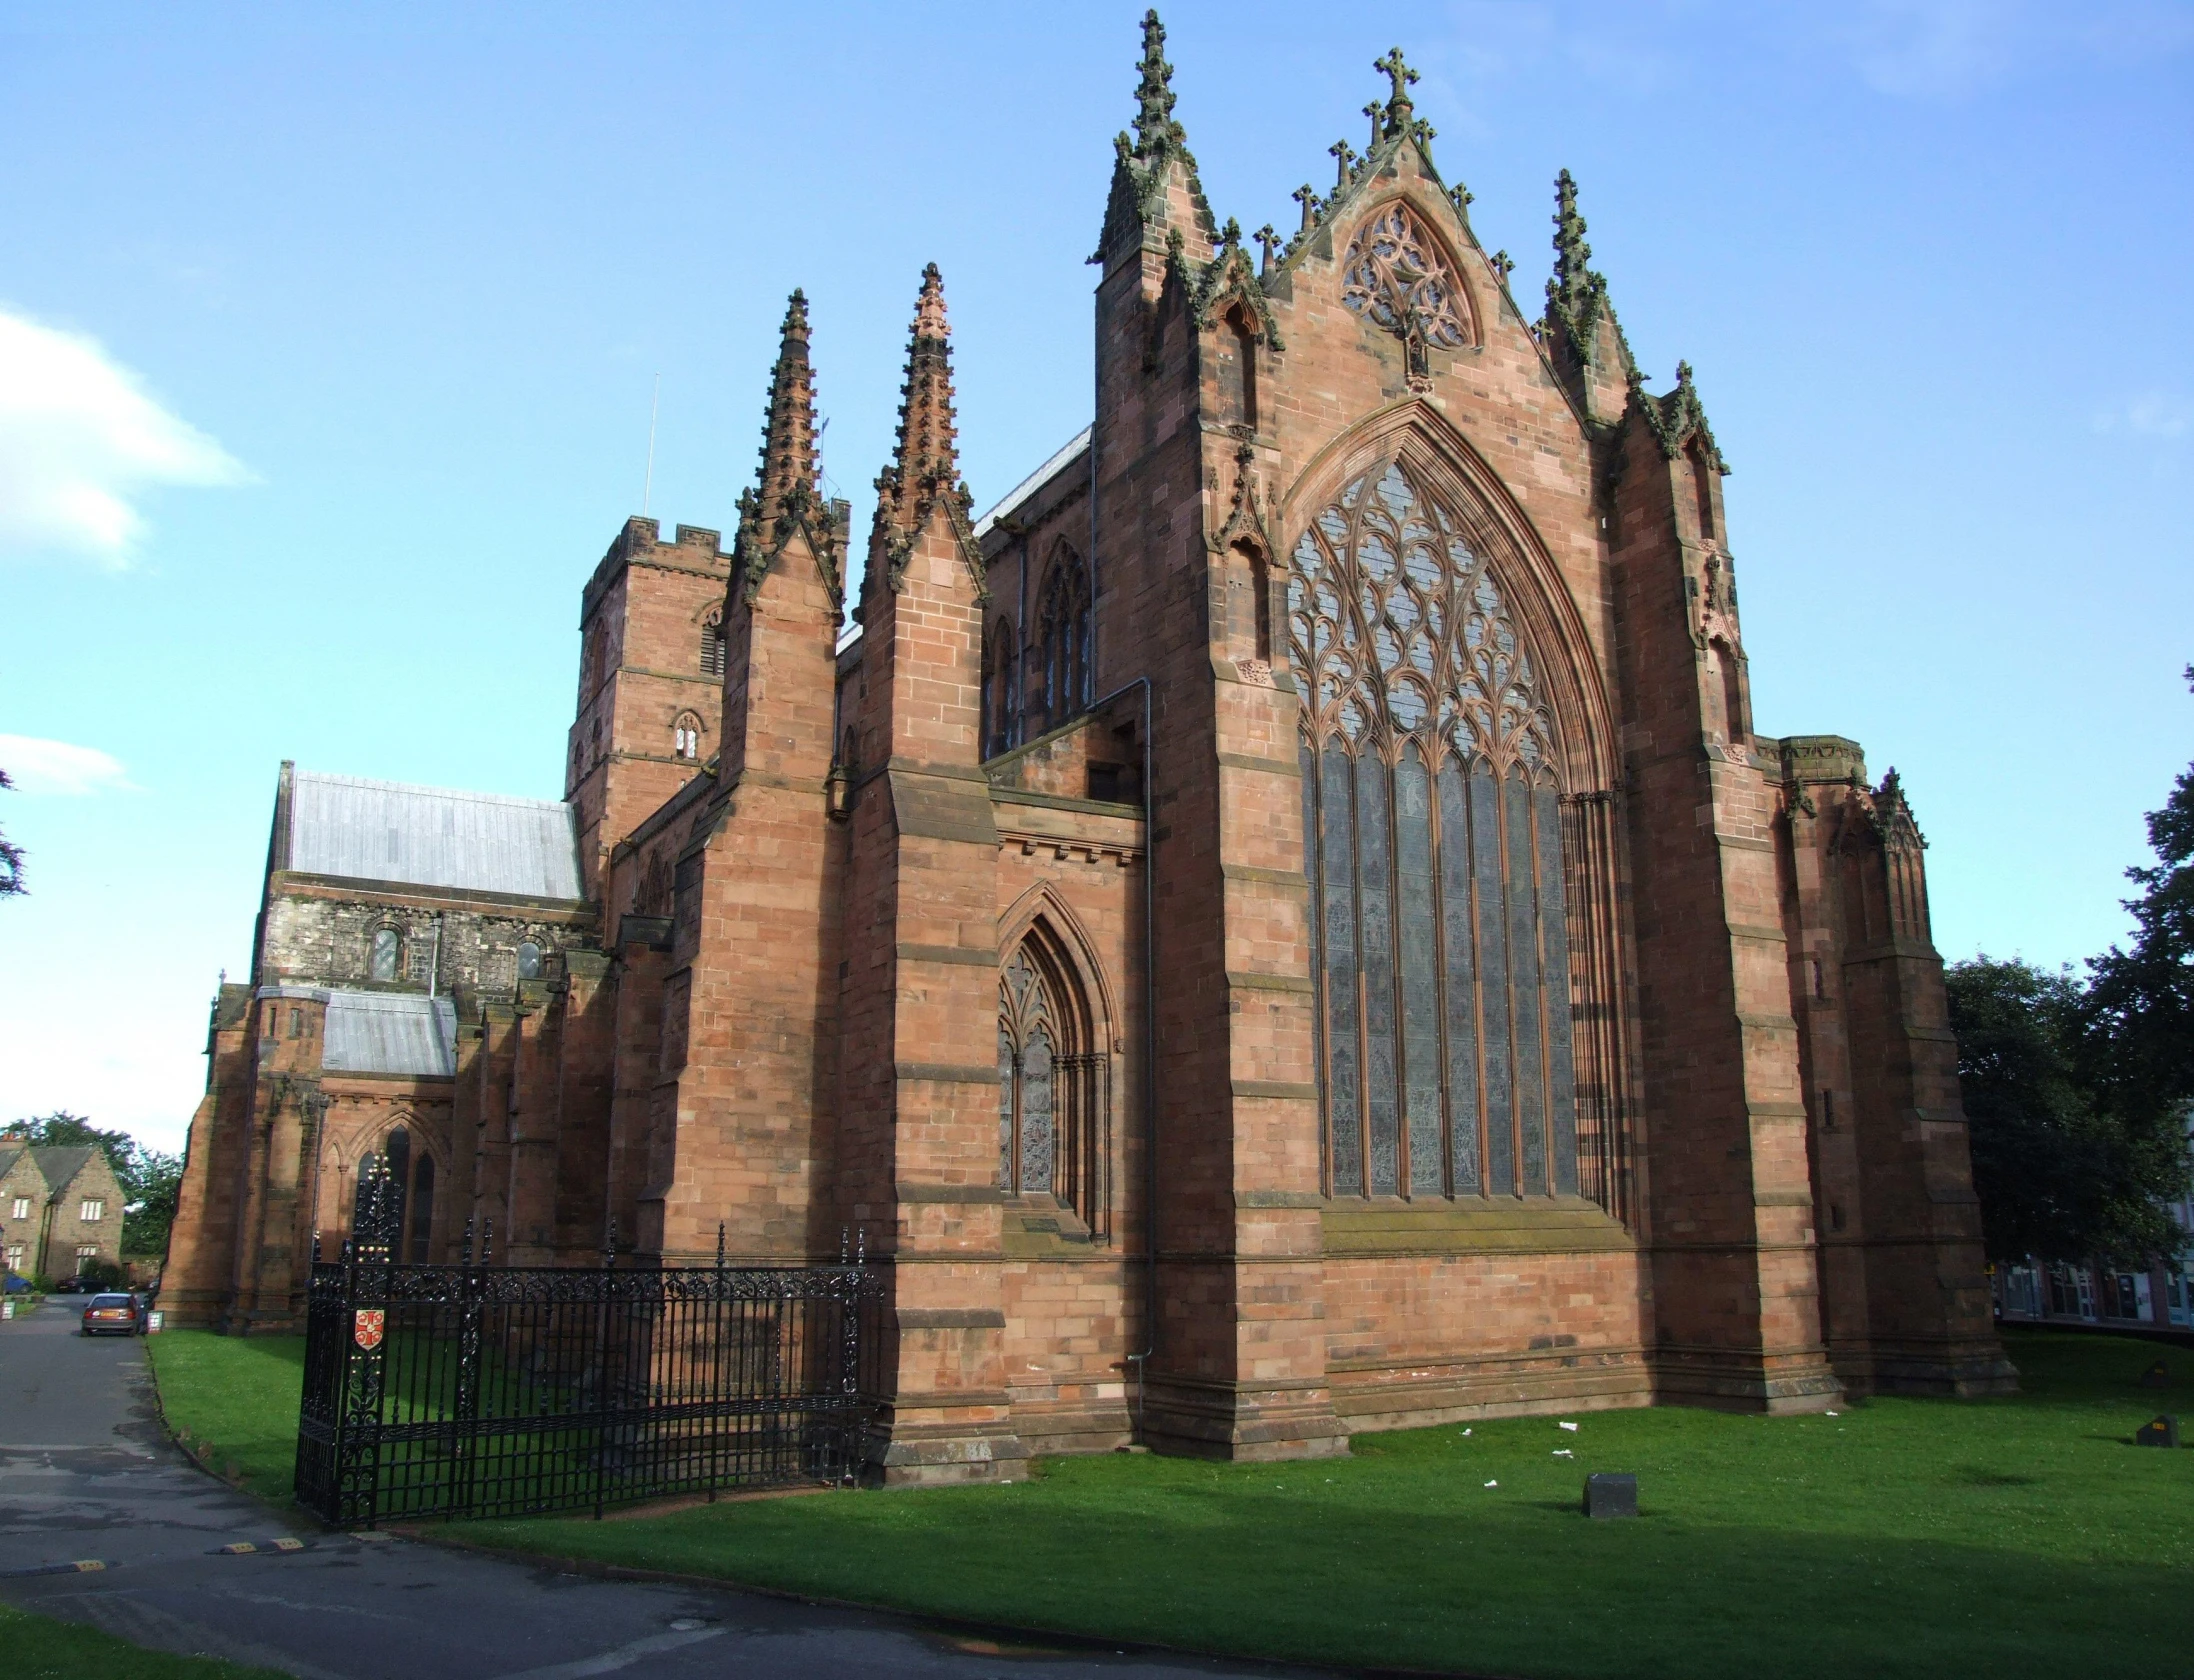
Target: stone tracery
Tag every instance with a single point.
(1394, 275)
(1433, 831)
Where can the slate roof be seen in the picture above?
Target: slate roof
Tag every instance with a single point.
(58, 1164)
(431, 837)
(61, 1163)
(1034, 482)
(390, 1032)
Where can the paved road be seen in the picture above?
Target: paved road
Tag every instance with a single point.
(86, 1472)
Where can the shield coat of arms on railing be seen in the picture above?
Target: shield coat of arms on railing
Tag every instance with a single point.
(366, 1328)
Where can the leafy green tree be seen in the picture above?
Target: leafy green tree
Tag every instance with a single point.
(151, 1179)
(2058, 1178)
(2078, 1094)
(2140, 1002)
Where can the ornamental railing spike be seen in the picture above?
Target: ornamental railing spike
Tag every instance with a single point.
(719, 1245)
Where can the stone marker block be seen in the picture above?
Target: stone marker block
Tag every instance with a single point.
(2159, 1431)
(2156, 1376)
(1611, 1495)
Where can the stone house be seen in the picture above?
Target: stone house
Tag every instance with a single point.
(1283, 926)
(60, 1207)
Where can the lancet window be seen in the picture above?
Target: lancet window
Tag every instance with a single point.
(1394, 276)
(1063, 639)
(1432, 821)
(999, 664)
(1053, 1087)
(409, 1175)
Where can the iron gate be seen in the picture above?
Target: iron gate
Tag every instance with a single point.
(477, 1390)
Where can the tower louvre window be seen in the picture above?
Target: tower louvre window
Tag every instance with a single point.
(712, 644)
(1433, 840)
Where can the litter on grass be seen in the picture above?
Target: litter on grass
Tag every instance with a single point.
(1563, 1452)
(1828, 1414)
(1571, 1427)
(1466, 1432)
(1493, 1484)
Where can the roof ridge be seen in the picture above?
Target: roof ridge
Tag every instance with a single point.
(475, 795)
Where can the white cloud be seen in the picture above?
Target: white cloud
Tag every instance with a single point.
(79, 438)
(1949, 49)
(2156, 414)
(59, 767)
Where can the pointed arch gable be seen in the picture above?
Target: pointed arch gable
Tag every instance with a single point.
(1535, 589)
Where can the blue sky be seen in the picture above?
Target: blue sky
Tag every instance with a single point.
(327, 340)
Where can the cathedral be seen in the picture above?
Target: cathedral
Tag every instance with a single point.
(1282, 926)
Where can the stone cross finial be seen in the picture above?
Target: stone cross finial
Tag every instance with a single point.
(1504, 265)
(1345, 155)
(1374, 111)
(1268, 240)
(1308, 199)
(1401, 75)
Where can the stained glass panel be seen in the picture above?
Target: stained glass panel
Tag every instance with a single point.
(1437, 904)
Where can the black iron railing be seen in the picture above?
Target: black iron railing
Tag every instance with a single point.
(477, 1390)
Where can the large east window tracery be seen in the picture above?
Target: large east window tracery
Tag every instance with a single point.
(1432, 823)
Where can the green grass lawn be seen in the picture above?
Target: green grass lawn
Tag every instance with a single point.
(40, 1648)
(232, 1400)
(1902, 1538)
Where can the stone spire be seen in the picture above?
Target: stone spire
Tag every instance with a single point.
(1149, 195)
(785, 499)
(1576, 295)
(788, 435)
(925, 467)
(1154, 124)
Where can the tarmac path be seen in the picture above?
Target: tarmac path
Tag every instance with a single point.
(87, 1471)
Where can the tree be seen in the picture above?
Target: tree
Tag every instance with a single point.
(151, 1179)
(2140, 1003)
(2058, 1177)
(11, 856)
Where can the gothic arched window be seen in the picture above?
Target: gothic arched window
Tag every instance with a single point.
(394, 1198)
(685, 737)
(388, 951)
(1053, 1086)
(1432, 824)
(998, 667)
(712, 643)
(1063, 638)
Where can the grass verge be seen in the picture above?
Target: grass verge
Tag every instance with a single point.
(40, 1648)
(232, 1402)
(1907, 1538)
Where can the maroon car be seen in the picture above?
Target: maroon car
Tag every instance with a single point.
(110, 1315)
